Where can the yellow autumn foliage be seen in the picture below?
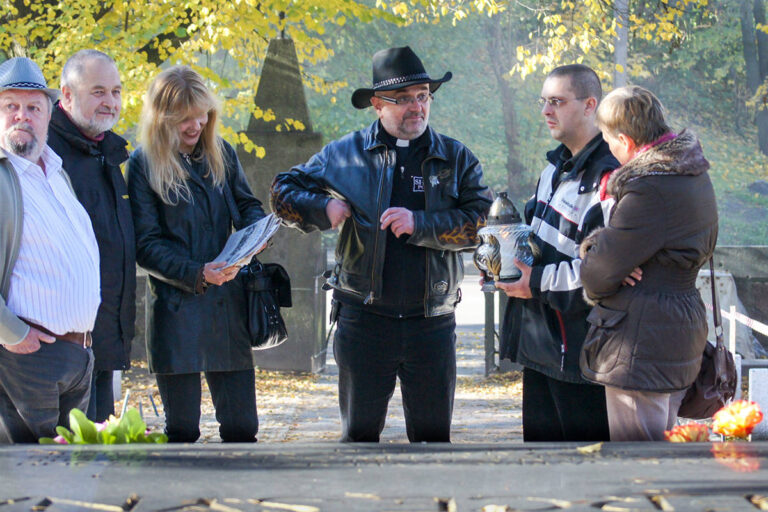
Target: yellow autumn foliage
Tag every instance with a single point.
(225, 42)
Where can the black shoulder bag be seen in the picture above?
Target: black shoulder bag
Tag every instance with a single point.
(715, 385)
(267, 288)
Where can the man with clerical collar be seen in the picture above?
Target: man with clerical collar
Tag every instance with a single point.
(545, 322)
(49, 268)
(80, 133)
(408, 200)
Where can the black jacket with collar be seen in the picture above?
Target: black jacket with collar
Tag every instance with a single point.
(358, 169)
(192, 329)
(546, 332)
(94, 168)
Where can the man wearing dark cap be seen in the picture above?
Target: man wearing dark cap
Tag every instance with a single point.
(408, 200)
(49, 268)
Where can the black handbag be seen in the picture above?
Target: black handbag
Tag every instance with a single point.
(268, 288)
(715, 385)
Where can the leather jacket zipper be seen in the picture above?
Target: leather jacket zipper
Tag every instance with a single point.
(371, 296)
(426, 254)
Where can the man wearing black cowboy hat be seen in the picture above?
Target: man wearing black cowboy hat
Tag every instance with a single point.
(408, 200)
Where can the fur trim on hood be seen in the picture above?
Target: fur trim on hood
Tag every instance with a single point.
(680, 156)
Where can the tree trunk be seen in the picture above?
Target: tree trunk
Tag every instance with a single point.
(516, 183)
(755, 48)
(749, 46)
(762, 38)
(621, 45)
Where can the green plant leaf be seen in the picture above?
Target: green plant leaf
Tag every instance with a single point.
(65, 433)
(128, 429)
(83, 428)
(157, 437)
(135, 426)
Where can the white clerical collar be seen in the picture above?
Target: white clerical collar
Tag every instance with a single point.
(402, 143)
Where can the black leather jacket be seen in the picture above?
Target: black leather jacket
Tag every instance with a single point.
(358, 169)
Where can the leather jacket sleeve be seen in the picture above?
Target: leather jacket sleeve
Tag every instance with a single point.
(455, 229)
(300, 195)
(154, 252)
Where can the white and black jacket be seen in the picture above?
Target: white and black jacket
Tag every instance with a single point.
(546, 332)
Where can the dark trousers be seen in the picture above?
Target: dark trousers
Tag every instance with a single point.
(234, 398)
(102, 402)
(373, 351)
(554, 410)
(38, 390)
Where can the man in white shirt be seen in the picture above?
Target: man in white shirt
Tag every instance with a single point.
(49, 268)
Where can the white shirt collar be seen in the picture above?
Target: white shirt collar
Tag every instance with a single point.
(51, 160)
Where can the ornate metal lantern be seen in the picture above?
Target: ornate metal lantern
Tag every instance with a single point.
(504, 238)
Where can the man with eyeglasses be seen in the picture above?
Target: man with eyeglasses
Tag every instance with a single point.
(408, 200)
(545, 322)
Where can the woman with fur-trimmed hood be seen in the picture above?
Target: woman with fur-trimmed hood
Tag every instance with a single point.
(648, 330)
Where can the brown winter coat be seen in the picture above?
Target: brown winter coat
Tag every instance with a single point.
(651, 336)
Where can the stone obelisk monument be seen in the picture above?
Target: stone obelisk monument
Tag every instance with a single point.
(281, 90)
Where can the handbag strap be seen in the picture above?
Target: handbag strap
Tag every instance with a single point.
(715, 306)
(231, 204)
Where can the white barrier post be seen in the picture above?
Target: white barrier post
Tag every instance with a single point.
(758, 392)
(732, 348)
(732, 329)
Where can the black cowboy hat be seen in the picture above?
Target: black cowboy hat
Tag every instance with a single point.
(396, 68)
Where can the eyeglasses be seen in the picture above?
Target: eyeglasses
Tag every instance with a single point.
(422, 99)
(556, 102)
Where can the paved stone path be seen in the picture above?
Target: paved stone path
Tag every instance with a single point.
(304, 408)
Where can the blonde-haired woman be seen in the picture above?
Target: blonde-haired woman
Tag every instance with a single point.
(187, 190)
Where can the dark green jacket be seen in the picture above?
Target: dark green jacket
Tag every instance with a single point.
(12, 330)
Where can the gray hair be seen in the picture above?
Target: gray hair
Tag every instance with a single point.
(74, 67)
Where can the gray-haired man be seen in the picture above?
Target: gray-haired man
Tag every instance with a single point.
(80, 133)
(49, 267)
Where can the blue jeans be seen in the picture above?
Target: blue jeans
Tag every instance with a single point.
(38, 390)
(373, 351)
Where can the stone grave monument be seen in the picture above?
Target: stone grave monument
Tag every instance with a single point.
(281, 90)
